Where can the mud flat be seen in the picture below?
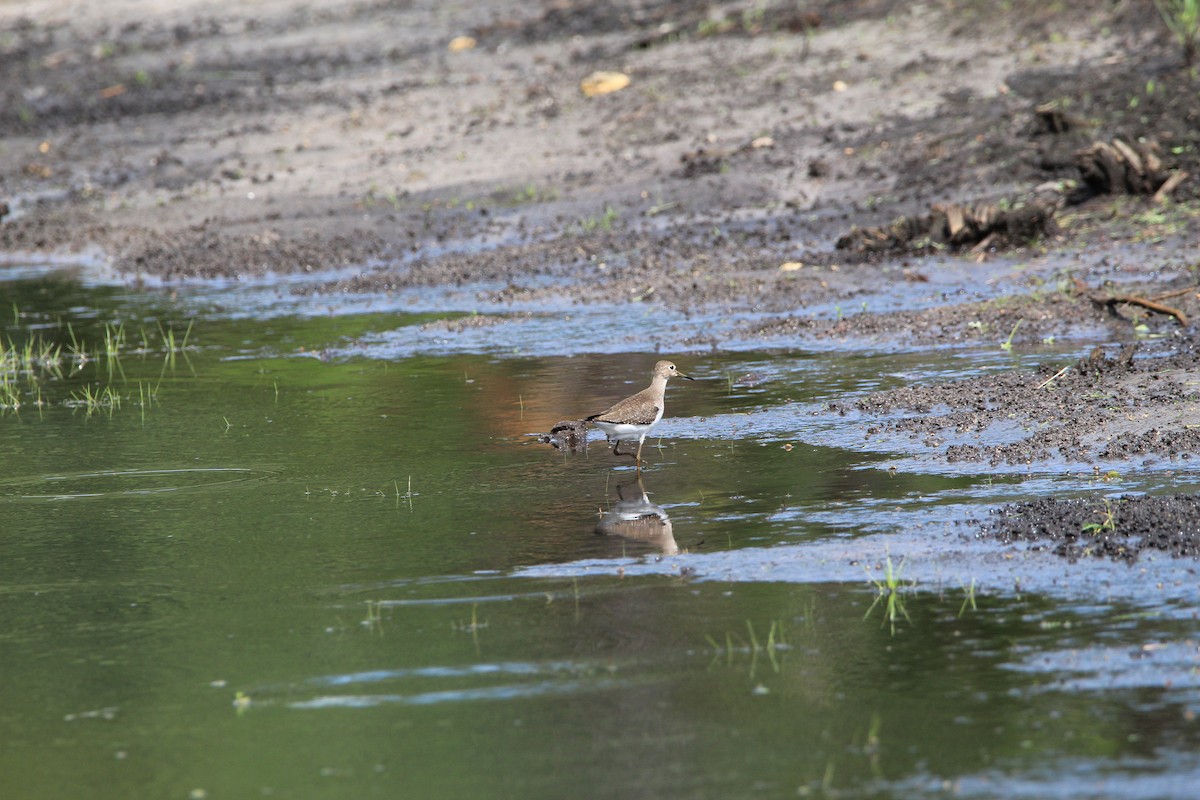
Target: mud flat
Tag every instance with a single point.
(852, 175)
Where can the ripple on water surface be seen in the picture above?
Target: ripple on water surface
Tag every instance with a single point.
(123, 483)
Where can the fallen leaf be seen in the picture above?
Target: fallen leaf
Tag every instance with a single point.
(603, 83)
(839, 86)
(460, 43)
(791, 266)
(115, 90)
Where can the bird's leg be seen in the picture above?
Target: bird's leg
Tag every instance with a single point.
(617, 445)
(638, 457)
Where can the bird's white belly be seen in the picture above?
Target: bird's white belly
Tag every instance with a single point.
(624, 431)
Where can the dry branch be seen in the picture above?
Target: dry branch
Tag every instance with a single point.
(1111, 301)
(1122, 168)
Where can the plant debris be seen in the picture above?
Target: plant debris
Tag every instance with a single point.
(569, 435)
(956, 226)
(1120, 167)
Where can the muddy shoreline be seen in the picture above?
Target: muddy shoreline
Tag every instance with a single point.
(214, 140)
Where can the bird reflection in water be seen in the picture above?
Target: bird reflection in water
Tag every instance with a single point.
(634, 518)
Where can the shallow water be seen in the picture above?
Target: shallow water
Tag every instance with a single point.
(302, 560)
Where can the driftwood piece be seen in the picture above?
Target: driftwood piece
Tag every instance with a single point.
(1111, 301)
(1051, 118)
(955, 226)
(1170, 185)
(1150, 305)
(1122, 167)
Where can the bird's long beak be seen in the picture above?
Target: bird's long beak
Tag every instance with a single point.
(680, 374)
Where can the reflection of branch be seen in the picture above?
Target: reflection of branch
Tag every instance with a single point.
(1110, 301)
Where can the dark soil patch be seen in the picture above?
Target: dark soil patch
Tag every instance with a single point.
(204, 250)
(458, 324)
(302, 108)
(989, 321)
(1111, 405)
(1121, 528)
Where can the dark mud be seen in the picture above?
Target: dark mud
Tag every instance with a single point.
(1137, 403)
(239, 142)
(1120, 528)
(235, 140)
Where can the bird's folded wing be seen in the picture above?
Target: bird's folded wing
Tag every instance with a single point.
(618, 415)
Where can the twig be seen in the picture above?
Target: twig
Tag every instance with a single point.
(1170, 185)
(1054, 377)
(1176, 293)
(1111, 300)
(1134, 300)
(984, 243)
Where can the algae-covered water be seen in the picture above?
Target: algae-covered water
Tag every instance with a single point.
(321, 553)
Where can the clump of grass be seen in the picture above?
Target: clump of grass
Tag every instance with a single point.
(1183, 19)
(968, 599)
(147, 397)
(114, 342)
(375, 196)
(1007, 344)
(1107, 523)
(374, 618)
(604, 222)
(473, 627)
(890, 590)
(28, 363)
(22, 368)
(79, 354)
(529, 193)
(95, 400)
(735, 644)
(10, 394)
(171, 347)
(31, 356)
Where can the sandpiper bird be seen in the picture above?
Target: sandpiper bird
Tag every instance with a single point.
(635, 416)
